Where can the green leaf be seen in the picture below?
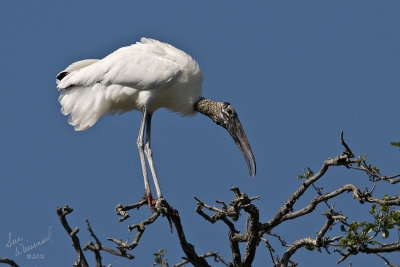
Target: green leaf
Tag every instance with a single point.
(385, 233)
(310, 173)
(385, 208)
(309, 247)
(370, 227)
(353, 225)
(373, 209)
(395, 144)
(375, 169)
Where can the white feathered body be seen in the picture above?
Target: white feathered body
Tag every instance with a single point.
(148, 73)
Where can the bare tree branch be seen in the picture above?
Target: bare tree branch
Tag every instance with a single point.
(255, 229)
(188, 248)
(347, 150)
(92, 247)
(214, 254)
(341, 160)
(374, 250)
(373, 172)
(161, 207)
(252, 232)
(318, 242)
(270, 249)
(251, 236)
(385, 248)
(8, 261)
(98, 247)
(141, 227)
(386, 260)
(62, 213)
(121, 210)
(359, 238)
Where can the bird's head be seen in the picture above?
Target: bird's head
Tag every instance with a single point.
(222, 113)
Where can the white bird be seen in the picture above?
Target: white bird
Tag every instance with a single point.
(144, 76)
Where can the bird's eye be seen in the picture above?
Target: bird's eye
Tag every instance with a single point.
(230, 112)
(226, 104)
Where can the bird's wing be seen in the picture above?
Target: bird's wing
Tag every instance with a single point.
(91, 88)
(75, 66)
(142, 66)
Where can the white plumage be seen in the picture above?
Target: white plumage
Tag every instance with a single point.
(145, 76)
(146, 73)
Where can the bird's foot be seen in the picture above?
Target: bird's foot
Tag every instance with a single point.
(166, 210)
(151, 202)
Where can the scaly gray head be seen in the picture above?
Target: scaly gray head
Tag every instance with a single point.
(222, 113)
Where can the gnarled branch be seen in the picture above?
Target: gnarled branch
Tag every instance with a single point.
(62, 213)
(8, 261)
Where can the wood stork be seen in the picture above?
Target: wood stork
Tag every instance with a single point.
(145, 76)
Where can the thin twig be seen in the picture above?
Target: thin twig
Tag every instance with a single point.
(62, 213)
(98, 247)
(9, 261)
(121, 210)
(214, 254)
(141, 227)
(386, 260)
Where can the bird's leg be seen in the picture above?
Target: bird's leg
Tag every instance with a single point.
(149, 156)
(142, 160)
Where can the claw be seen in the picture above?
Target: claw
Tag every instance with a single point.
(151, 202)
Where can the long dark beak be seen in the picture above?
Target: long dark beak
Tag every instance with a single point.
(235, 129)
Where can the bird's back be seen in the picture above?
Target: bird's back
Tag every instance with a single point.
(148, 73)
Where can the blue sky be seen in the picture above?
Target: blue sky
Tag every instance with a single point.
(297, 72)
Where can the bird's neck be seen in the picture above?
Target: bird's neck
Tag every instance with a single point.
(206, 107)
